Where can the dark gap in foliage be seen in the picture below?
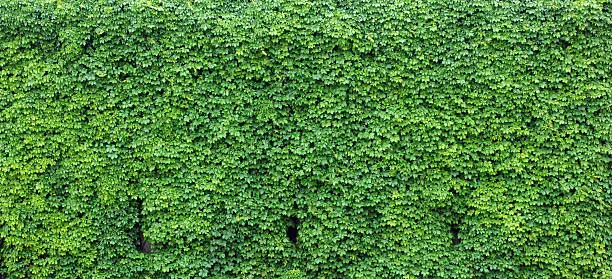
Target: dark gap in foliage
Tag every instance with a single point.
(88, 44)
(142, 244)
(258, 171)
(564, 44)
(454, 228)
(198, 72)
(335, 49)
(292, 229)
(122, 7)
(535, 51)
(123, 75)
(464, 18)
(530, 123)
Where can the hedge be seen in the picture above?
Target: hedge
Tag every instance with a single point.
(305, 139)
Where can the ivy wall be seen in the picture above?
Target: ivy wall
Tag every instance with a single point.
(305, 139)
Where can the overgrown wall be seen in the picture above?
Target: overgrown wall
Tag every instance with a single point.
(296, 139)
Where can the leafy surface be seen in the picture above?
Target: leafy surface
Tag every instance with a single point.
(398, 139)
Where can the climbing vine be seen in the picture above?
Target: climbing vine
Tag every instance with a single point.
(305, 139)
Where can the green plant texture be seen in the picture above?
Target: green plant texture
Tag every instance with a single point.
(305, 139)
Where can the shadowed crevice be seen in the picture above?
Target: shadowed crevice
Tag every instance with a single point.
(455, 217)
(292, 229)
(142, 244)
(88, 44)
(454, 229)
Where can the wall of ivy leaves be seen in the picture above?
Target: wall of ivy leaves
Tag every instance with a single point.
(305, 139)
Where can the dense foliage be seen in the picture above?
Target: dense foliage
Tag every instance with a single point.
(296, 139)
